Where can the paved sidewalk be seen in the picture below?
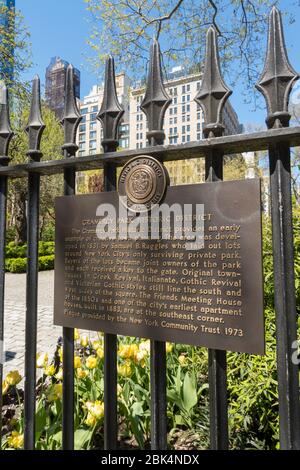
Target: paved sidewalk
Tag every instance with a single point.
(14, 319)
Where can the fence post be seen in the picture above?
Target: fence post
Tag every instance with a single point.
(110, 114)
(34, 130)
(275, 84)
(154, 105)
(70, 121)
(5, 136)
(211, 97)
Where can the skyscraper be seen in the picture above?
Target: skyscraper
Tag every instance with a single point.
(55, 84)
(7, 23)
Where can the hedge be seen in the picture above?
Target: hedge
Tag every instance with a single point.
(20, 251)
(19, 265)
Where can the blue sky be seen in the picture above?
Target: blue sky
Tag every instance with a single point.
(61, 27)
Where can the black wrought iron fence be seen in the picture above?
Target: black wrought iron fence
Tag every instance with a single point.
(275, 84)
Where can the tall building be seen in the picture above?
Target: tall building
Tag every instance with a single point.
(183, 121)
(90, 130)
(7, 24)
(55, 85)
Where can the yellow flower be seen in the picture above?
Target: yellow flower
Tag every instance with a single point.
(125, 370)
(95, 408)
(141, 355)
(100, 353)
(91, 362)
(13, 378)
(128, 351)
(54, 393)
(15, 440)
(84, 341)
(96, 344)
(90, 420)
(50, 370)
(42, 360)
(169, 347)
(5, 387)
(59, 375)
(182, 360)
(60, 353)
(77, 362)
(76, 334)
(145, 346)
(81, 374)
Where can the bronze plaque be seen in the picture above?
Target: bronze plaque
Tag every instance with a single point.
(158, 289)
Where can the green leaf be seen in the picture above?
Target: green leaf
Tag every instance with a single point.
(81, 438)
(189, 392)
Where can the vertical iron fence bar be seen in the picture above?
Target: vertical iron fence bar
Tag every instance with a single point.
(70, 121)
(217, 364)
(212, 96)
(110, 115)
(68, 347)
(110, 352)
(276, 84)
(6, 135)
(34, 130)
(284, 293)
(154, 105)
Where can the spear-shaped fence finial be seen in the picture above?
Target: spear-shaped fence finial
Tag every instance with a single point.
(213, 92)
(35, 126)
(111, 111)
(278, 75)
(5, 129)
(156, 100)
(71, 117)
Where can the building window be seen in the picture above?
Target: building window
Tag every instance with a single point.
(198, 85)
(93, 135)
(188, 138)
(94, 109)
(183, 99)
(175, 120)
(83, 119)
(183, 139)
(171, 130)
(198, 116)
(171, 121)
(174, 100)
(188, 108)
(81, 137)
(188, 97)
(188, 88)
(82, 128)
(81, 153)
(198, 126)
(137, 136)
(84, 110)
(93, 126)
(188, 117)
(183, 129)
(175, 91)
(175, 110)
(82, 145)
(93, 144)
(92, 151)
(175, 130)
(138, 109)
(199, 136)
(188, 128)
(183, 88)
(93, 116)
(183, 118)
(183, 109)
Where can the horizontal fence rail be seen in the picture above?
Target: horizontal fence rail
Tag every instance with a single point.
(275, 84)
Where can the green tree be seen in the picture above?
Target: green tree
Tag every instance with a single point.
(51, 186)
(124, 28)
(15, 51)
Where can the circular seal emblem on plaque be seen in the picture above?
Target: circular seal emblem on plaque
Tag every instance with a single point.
(142, 183)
